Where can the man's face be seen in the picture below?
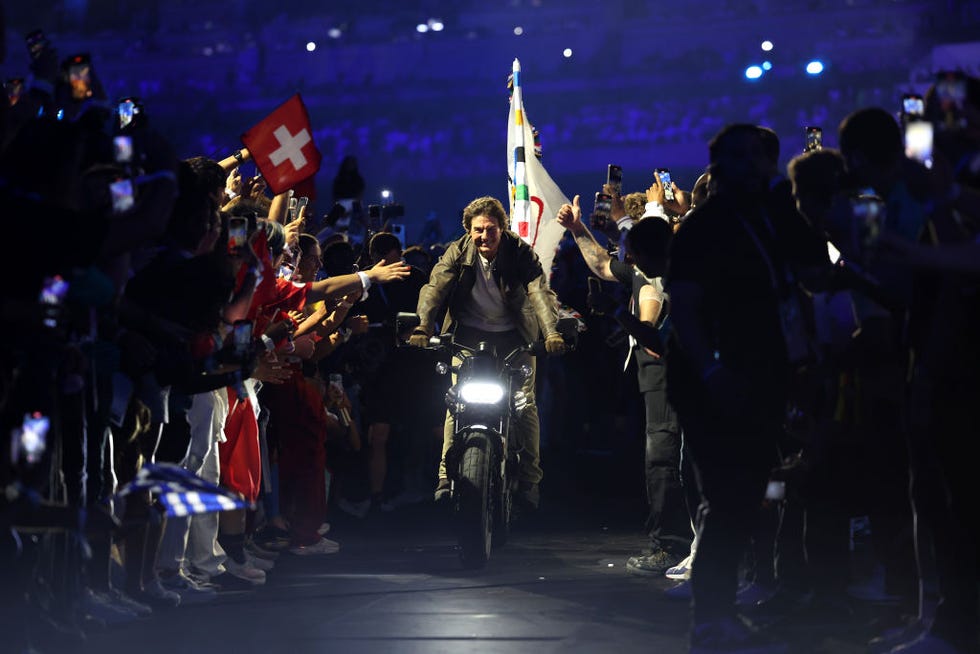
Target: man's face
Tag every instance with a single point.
(485, 232)
(308, 265)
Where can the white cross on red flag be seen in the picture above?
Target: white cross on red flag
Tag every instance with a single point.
(282, 146)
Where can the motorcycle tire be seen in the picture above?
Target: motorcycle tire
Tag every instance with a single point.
(474, 503)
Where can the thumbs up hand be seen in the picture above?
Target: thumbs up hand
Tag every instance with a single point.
(570, 215)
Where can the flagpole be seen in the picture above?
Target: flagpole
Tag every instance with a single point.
(520, 218)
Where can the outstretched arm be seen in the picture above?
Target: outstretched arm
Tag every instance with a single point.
(596, 257)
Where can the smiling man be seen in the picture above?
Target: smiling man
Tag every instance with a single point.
(496, 292)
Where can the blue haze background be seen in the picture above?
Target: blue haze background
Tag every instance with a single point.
(647, 85)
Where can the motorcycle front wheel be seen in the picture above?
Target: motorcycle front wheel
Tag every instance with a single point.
(474, 502)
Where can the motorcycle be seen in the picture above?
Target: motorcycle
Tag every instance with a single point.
(483, 460)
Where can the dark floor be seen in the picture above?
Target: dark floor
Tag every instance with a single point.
(559, 585)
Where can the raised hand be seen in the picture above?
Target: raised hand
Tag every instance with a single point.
(382, 274)
(570, 215)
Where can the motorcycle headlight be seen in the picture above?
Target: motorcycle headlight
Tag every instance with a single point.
(481, 392)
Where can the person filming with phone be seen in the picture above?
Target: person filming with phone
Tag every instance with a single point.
(646, 243)
(497, 293)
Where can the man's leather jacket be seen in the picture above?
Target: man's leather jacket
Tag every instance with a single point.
(517, 270)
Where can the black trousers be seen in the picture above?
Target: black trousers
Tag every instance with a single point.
(947, 505)
(668, 523)
(733, 455)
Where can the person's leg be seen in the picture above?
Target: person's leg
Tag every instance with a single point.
(668, 522)
(204, 554)
(733, 463)
(955, 520)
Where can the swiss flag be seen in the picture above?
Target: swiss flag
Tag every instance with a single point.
(282, 146)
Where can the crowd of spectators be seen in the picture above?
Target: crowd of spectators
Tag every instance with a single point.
(176, 312)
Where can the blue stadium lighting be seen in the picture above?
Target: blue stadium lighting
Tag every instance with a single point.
(753, 72)
(815, 67)
(766, 65)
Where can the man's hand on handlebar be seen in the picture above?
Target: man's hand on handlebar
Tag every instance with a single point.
(419, 338)
(554, 344)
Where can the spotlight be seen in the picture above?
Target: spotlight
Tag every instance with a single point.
(753, 72)
(435, 25)
(766, 65)
(334, 33)
(815, 67)
(385, 194)
(518, 30)
(310, 46)
(567, 53)
(421, 28)
(766, 46)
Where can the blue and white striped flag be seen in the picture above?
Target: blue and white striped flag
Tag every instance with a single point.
(182, 492)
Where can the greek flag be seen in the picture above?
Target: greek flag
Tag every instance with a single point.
(182, 492)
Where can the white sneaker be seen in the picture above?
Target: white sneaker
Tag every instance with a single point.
(258, 562)
(681, 571)
(356, 509)
(189, 590)
(154, 591)
(245, 571)
(323, 546)
(129, 603)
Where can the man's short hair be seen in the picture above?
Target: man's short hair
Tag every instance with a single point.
(275, 236)
(726, 135)
(485, 206)
(817, 171)
(209, 172)
(771, 142)
(873, 133)
(635, 204)
(650, 236)
(381, 244)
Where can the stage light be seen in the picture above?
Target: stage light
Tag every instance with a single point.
(385, 194)
(435, 25)
(766, 46)
(518, 30)
(334, 33)
(766, 65)
(753, 72)
(567, 53)
(421, 28)
(310, 46)
(815, 67)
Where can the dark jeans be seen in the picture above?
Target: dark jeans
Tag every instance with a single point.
(668, 522)
(946, 500)
(733, 456)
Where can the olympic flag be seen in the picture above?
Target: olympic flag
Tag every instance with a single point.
(534, 196)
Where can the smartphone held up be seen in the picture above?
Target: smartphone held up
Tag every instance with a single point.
(78, 73)
(602, 211)
(614, 178)
(918, 141)
(663, 174)
(814, 138)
